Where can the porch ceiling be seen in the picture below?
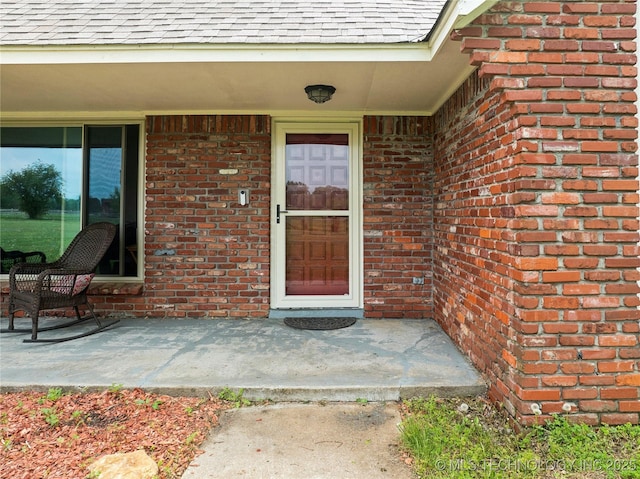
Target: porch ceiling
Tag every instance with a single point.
(398, 79)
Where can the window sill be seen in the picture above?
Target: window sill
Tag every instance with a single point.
(104, 289)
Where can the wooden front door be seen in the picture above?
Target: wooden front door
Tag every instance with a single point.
(316, 205)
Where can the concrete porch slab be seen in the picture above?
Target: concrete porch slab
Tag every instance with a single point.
(375, 359)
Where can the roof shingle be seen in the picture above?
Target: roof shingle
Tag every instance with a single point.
(125, 22)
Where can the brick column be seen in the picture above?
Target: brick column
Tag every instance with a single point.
(398, 214)
(563, 76)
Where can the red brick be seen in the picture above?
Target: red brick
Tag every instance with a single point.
(540, 395)
(628, 380)
(575, 340)
(619, 340)
(539, 264)
(560, 381)
(590, 354)
(619, 393)
(561, 276)
(600, 302)
(598, 380)
(580, 289)
(577, 368)
(620, 185)
(579, 393)
(616, 366)
(630, 406)
(597, 406)
(620, 418)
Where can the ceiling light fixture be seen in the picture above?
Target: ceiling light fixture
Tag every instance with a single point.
(319, 93)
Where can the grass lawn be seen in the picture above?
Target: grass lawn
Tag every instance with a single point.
(470, 438)
(51, 234)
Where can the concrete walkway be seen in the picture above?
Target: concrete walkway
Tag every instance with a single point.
(326, 434)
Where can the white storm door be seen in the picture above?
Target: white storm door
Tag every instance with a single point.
(316, 203)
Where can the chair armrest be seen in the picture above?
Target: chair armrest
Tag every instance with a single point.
(65, 281)
(43, 278)
(11, 258)
(35, 257)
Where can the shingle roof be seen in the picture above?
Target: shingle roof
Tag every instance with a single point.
(116, 22)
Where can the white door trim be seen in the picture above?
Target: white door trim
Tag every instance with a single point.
(279, 299)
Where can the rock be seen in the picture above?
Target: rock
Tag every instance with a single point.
(130, 465)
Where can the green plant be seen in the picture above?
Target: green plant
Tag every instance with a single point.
(79, 417)
(234, 397)
(50, 416)
(115, 388)
(191, 438)
(52, 395)
(6, 444)
(449, 439)
(155, 405)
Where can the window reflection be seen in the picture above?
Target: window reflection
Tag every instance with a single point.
(51, 184)
(317, 172)
(34, 216)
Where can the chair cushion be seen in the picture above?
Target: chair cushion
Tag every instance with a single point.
(82, 281)
(61, 285)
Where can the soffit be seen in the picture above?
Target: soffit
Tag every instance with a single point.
(152, 78)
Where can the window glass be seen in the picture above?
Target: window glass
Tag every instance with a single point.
(40, 190)
(51, 185)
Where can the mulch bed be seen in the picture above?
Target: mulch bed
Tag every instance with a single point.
(45, 435)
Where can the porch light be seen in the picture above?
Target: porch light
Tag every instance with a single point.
(319, 93)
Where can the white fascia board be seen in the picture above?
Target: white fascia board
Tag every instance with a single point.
(183, 53)
(44, 117)
(458, 14)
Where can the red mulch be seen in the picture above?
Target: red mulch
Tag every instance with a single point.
(45, 436)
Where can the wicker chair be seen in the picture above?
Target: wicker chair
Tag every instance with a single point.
(61, 284)
(9, 258)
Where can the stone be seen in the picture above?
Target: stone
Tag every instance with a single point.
(130, 465)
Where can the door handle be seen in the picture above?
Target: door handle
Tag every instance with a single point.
(278, 211)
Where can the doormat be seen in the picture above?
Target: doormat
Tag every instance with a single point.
(319, 323)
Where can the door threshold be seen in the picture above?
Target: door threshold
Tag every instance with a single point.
(317, 313)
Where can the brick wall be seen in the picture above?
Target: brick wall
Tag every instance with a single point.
(205, 255)
(536, 218)
(474, 247)
(398, 210)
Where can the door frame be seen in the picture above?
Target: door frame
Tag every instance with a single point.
(352, 127)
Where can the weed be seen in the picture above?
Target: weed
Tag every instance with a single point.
(234, 397)
(6, 444)
(362, 401)
(79, 417)
(191, 438)
(52, 395)
(115, 388)
(50, 416)
(449, 440)
(155, 405)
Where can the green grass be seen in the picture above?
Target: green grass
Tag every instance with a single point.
(451, 439)
(17, 232)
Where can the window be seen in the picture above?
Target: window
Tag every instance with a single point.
(55, 180)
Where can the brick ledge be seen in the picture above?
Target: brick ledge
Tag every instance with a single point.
(125, 289)
(129, 289)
